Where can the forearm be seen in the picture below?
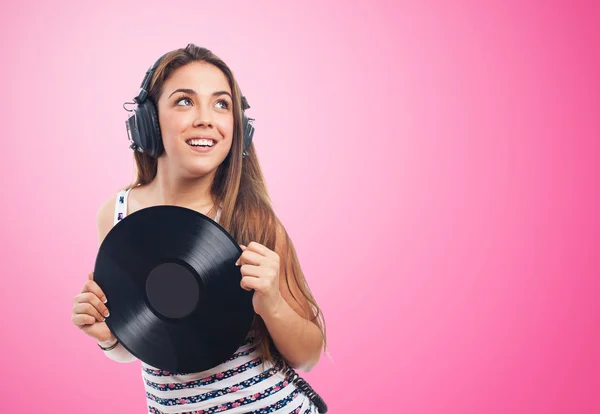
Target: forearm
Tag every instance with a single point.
(297, 339)
(119, 353)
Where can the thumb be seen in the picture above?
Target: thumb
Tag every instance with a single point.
(237, 263)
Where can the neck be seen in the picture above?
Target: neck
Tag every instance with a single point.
(169, 188)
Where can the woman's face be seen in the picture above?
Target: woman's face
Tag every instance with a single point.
(196, 105)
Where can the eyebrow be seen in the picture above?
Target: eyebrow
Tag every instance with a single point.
(193, 92)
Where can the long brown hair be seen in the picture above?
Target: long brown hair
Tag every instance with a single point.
(239, 187)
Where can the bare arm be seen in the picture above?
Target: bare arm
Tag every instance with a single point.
(297, 339)
(296, 336)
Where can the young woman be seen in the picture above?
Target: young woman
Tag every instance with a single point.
(202, 165)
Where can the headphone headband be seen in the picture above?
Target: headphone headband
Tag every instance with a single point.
(143, 92)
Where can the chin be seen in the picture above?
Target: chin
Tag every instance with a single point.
(196, 171)
(193, 165)
(197, 168)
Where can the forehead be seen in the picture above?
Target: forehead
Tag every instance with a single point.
(203, 77)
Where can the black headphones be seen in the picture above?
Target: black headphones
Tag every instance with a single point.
(143, 129)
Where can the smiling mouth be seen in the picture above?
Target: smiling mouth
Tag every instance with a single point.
(200, 142)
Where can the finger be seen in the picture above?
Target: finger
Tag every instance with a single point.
(251, 283)
(91, 286)
(251, 271)
(82, 319)
(243, 247)
(263, 250)
(87, 308)
(91, 276)
(258, 248)
(249, 257)
(92, 299)
(243, 285)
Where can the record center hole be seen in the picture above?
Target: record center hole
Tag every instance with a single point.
(172, 290)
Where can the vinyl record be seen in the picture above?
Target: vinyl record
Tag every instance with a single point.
(173, 289)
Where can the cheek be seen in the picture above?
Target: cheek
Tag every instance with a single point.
(173, 126)
(225, 128)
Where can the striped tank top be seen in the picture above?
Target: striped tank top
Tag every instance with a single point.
(242, 384)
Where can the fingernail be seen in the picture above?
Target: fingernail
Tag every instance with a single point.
(104, 300)
(107, 314)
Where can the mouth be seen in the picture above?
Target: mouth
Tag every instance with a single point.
(201, 142)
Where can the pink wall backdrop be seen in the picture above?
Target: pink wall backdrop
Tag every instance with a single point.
(436, 164)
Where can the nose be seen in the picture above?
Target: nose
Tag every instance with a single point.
(203, 117)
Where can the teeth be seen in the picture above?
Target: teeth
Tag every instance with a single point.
(201, 142)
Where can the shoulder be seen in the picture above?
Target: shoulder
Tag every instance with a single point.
(105, 216)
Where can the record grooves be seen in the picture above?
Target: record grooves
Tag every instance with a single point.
(173, 289)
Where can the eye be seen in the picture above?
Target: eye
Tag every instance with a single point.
(183, 98)
(224, 102)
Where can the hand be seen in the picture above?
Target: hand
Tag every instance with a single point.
(260, 272)
(89, 312)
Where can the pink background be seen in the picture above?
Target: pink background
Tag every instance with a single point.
(436, 164)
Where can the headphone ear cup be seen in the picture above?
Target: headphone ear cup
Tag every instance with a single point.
(248, 133)
(149, 129)
(133, 133)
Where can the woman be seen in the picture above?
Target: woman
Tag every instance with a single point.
(201, 164)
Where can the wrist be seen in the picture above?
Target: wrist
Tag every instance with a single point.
(277, 310)
(110, 343)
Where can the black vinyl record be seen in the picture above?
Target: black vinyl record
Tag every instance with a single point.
(173, 289)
